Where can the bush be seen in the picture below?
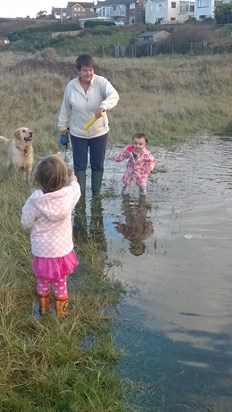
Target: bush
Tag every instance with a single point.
(223, 13)
(93, 23)
(186, 34)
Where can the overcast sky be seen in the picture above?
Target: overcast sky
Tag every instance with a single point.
(23, 8)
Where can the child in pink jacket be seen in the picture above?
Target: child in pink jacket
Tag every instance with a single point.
(47, 214)
(140, 163)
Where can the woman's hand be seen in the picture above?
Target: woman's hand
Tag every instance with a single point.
(64, 132)
(99, 112)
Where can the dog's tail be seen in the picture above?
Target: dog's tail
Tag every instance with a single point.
(4, 140)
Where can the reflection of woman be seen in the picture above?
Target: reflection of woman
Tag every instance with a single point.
(137, 226)
(87, 96)
(94, 232)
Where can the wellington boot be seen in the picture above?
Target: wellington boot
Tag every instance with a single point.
(62, 307)
(44, 304)
(96, 181)
(81, 178)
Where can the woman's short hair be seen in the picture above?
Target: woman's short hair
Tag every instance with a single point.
(51, 174)
(84, 60)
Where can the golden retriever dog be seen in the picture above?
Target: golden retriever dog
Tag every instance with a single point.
(20, 151)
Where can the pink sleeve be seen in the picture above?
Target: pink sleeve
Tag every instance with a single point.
(122, 156)
(76, 191)
(28, 215)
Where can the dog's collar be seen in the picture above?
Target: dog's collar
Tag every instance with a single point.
(22, 150)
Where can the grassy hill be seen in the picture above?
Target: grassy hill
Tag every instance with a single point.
(35, 35)
(10, 25)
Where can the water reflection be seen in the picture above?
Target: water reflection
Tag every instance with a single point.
(176, 332)
(94, 231)
(137, 225)
(96, 226)
(173, 376)
(80, 229)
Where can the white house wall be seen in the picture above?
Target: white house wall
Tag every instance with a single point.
(204, 9)
(156, 10)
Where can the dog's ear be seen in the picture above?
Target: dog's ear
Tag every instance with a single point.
(17, 134)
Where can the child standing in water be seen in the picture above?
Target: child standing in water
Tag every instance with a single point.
(47, 214)
(140, 163)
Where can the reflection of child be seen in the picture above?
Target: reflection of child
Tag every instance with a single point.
(140, 163)
(47, 214)
(137, 227)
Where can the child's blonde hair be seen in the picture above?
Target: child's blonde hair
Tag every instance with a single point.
(140, 136)
(51, 174)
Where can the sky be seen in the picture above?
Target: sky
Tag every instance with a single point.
(23, 8)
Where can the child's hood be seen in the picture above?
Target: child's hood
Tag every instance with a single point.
(53, 205)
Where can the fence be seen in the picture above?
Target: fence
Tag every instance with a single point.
(148, 50)
(73, 33)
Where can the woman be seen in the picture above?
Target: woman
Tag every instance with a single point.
(87, 96)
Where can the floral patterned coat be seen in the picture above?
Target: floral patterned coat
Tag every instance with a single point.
(138, 167)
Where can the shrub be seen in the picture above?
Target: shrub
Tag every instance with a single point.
(223, 13)
(94, 23)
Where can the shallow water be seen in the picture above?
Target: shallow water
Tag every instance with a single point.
(172, 251)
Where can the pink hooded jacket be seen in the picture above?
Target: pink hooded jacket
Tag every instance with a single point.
(48, 217)
(137, 169)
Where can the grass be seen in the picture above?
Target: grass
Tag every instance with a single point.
(173, 96)
(49, 364)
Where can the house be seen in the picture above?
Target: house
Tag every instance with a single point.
(76, 10)
(205, 8)
(125, 11)
(152, 37)
(59, 13)
(165, 11)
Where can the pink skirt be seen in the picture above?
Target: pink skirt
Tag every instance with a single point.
(54, 268)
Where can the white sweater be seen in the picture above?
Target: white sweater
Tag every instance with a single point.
(78, 107)
(48, 217)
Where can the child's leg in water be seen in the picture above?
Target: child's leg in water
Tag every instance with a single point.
(125, 190)
(61, 297)
(126, 183)
(143, 189)
(126, 187)
(43, 292)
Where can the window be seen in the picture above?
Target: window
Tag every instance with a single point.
(203, 3)
(132, 6)
(173, 18)
(132, 20)
(160, 7)
(173, 4)
(185, 7)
